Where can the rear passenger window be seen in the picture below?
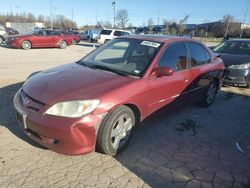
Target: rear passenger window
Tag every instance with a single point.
(117, 33)
(106, 32)
(174, 57)
(197, 54)
(124, 33)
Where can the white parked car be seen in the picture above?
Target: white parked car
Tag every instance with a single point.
(109, 34)
(3, 34)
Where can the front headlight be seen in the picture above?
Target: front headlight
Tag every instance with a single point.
(243, 66)
(73, 109)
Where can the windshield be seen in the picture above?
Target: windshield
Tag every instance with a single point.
(234, 47)
(123, 56)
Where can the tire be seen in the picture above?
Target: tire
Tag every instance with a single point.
(115, 131)
(1, 40)
(63, 44)
(74, 42)
(210, 94)
(26, 45)
(89, 39)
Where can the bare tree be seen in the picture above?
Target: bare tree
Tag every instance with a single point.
(105, 24)
(150, 22)
(122, 18)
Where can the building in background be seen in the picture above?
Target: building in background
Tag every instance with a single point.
(25, 27)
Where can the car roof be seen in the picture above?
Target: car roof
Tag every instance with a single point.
(157, 37)
(116, 30)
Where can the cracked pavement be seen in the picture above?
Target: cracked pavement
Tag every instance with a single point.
(189, 147)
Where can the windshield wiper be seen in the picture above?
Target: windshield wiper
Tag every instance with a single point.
(80, 62)
(109, 69)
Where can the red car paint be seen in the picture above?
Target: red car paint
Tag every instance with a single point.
(38, 41)
(74, 37)
(74, 82)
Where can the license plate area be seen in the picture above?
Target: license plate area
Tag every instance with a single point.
(22, 119)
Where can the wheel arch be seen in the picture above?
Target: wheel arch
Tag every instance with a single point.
(136, 111)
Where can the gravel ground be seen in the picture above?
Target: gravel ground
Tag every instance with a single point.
(190, 147)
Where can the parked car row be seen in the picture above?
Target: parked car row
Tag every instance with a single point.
(96, 102)
(104, 36)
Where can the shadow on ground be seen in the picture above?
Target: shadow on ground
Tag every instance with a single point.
(193, 147)
(7, 113)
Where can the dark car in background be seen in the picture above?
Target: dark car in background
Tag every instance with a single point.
(236, 56)
(39, 39)
(11, 31)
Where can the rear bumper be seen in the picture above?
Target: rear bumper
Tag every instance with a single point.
(239, 77)
(69, 136)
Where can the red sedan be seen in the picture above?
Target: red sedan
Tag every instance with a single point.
(96, 102)
(39, 39)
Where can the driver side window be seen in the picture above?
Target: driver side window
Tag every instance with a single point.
(174, 57)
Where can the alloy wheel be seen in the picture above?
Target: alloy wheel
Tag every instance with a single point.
(121, 131)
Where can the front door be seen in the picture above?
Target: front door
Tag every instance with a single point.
(169, 89)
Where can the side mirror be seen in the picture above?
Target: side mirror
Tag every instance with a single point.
(162, 71)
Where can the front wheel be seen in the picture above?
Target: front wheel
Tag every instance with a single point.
(1, 40)
(210, 94)
(26, 45)
(63, 44)
(74, 42)
(115, 131)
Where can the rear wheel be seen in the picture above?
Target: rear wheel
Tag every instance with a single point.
(89, 39)
(210, 94)
(26, 45)
(63, 44)
(115, 131)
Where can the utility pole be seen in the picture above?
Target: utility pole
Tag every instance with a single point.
(114, 6)
(18, 18)
(158, 18)
(51, 15)
(244, 20)
(72, 18)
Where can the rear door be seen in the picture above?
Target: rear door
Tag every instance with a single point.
(53, 37)
(200, 68)
(169, 89)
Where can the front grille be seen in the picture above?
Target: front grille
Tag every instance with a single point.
(29, 102)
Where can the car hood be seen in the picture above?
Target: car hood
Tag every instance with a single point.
(234, 59)
(72, 82)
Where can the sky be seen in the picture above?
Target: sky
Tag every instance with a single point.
(86, 12)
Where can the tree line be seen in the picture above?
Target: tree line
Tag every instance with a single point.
(58, 21)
